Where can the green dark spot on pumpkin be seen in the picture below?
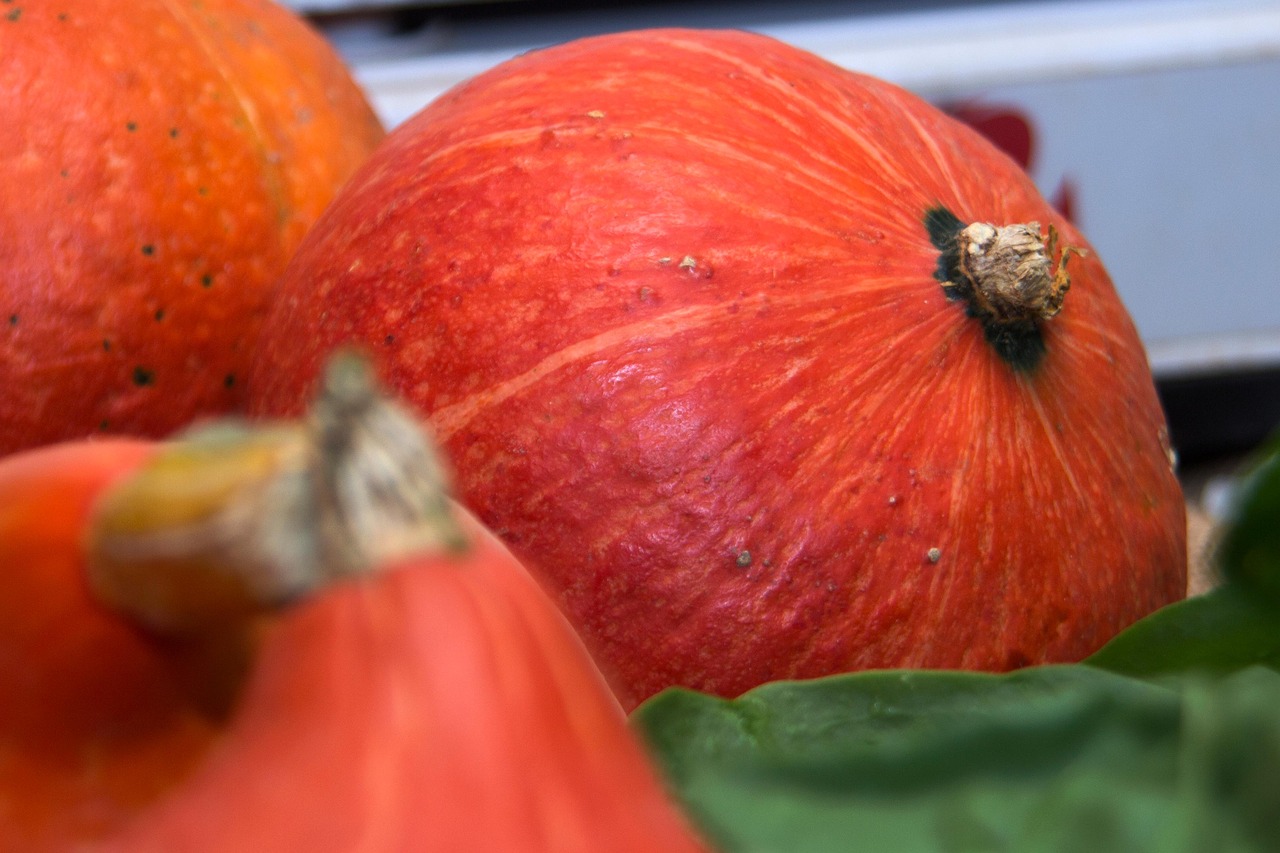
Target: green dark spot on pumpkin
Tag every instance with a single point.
(173, 133)
(143, 377)
(148, 249)
(206, 280)
(131, 126)
(943, 227)
(13, 319)
(104, 425)
(1018, 344)
(106, 346)
(159, 314)
(229, 381)
(15, 14)
(1021, 346)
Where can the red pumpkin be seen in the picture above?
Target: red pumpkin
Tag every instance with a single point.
(160, 162)
(722, 339)
(434, 699)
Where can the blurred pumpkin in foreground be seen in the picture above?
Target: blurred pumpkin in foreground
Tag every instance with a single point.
(289, 639)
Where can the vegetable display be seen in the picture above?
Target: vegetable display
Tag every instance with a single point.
(770, 368)
(785, 415)
(161, 161)
(288, 638)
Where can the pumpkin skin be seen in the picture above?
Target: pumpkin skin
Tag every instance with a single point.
(443, 703)
(74, 678)
(669, 300)
(162, 161)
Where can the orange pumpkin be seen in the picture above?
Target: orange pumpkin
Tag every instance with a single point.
(767, 365)
(394, 681)
(160, 161)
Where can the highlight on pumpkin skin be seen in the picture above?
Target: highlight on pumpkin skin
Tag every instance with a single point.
(233, 520)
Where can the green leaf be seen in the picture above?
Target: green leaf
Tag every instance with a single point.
(1250, 550)
(1045, 759)
(1221, 632)
(1236, 625)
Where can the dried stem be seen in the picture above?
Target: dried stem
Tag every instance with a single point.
(234, 520)
(1008, 271)
(1011, 278)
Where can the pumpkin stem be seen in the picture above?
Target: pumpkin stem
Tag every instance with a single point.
(1008, 277)
(233, 520)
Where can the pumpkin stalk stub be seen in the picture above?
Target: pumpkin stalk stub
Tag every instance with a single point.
(236, 520)
(1011, 278)
(1008, 271)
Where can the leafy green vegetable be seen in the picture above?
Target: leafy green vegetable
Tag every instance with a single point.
(1250, 549)
(1044, 759)
(1221, 632)
(1168, 739)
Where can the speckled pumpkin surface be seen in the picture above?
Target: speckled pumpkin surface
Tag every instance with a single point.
(160, 161)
